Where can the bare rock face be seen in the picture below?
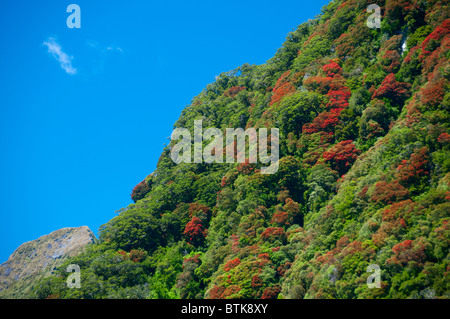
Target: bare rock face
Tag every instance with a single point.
(39, 258)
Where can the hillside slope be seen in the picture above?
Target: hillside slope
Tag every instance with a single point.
(363, 175)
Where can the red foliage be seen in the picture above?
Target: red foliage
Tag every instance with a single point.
(318, 84)
(264, 256)
(331, 69)
(194, 231)
(282, 88)
(140, 190)
(341, 156)
(280, 219)
(324, 122)
(273, 234)
(134, 255)
(393, 90)
(216, 292)
(339, 98)
(352, 248)
(223, 183)
(389, 193)
(407, 251)
(391, 61)
(342, 242)
(444, 138)
(281, 270)
(246, 167)
(233, 91)
(231, 290)
(399, 213)
(432, 40)
(271, 292)
(256, 282)
(433, 93)
(231, 264)
(291, 207)
(199, 210)
(194, 259)
(395, 220)
(410, 171)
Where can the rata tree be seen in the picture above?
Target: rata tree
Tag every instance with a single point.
(282, 87)
(194, 232)
(390, 89)
(341, 156)
(140, 190)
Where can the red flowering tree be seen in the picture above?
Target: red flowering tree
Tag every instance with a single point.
(140, 190)
(233, 91)
(282, 88)
(432, 41)
(231, 264)
(390, 89)
(444, 138)
(411, 171)
(389, 193)
(433, 93)
(281, 219)
(216, 292)
(134, 255)
(341, 156)
(391, 61)
(338, 98)
(331, 69)
(194, 232)
(324, 122)
(201, 211)
(273, 234)
(407, 251)
(318, 84)
(271, 292)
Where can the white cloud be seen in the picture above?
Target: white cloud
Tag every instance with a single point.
(118, 49)
(102, 49)
(63, 58)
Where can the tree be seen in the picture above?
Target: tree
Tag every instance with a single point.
(282, 88)
(411, 171)
(341, 156)
(140, 190)
(392, 90)
(389, 193)
(194, 232)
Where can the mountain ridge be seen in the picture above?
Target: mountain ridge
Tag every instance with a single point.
(40, 257)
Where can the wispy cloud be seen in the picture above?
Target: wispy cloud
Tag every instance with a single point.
(63, 58)
(111, 48)
(102, 54)
(102, 49)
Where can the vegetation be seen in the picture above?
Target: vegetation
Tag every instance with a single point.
(363, 177)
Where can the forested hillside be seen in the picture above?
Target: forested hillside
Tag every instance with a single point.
(363, 177)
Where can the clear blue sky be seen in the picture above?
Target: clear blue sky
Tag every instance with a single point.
(84, 113)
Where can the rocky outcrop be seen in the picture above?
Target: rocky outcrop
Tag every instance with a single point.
(39, 258)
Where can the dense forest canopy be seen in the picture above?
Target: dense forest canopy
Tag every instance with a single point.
(363, 178)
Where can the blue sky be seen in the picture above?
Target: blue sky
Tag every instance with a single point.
(85, 113)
